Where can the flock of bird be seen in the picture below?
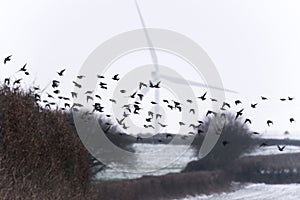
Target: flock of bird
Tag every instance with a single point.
(136, 98)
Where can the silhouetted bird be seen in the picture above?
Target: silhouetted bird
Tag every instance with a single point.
(80, 77)
(153, 102)
(181, 123)
(239, 113)
(282, 99)
(264, 98)
(280, 148)
(237, 102)
(89, 98)
(203, 97)
(141, 96)
(74, 94)
(133, 95)
(255, 133)
(18, 81)
(23, 69)
(120, 122)
(67, 105)
(7, 81)
(150, 114)
(225, 104)
(8, 58)
(248, 121)
(142, 85)
(163, 125)
(55, 84)
(171, 107)
(166, 101)
(98, 96)
(77, 85)
(148, 119)
(125, 127)
(269, 122)
(179, 108)
(158, 116)
(292, 120)
(116, 78)
(157, 85)
(61, 73)
(189, 101)
(290, 98)
(211, 112)
(213, 100)
(123, 91)
(113, 101)
(50, 96)
(99, 76)
(254, 105)
(56, 91)
(192, 111)
(98, 107)
(89, 92)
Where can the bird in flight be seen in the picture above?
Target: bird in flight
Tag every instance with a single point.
(142, 85)
(8, 58)
(248, 121)
(213, 100)
(290, 98)
(292, 120)
(282, 99)
(80, 77)
(225, 104)
(133, 95)
(61, 73)
(151, 85)
(18, 81)
(209, 112)
(55, 84)
(253, 105)
(77, 85)
(116, 78)
(141, 96)
(203, 97)
(192, 111)
(239, 113)
(189, 101)
(280, 148)
(264, 98)
(237, 102)
(255, 133)
(269, 122)
(162, 125)
(23, 69)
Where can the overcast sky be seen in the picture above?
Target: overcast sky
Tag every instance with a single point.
(254, 44)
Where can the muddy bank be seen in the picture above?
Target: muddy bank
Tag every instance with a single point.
(164, 187)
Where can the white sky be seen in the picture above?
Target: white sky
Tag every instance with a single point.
(254, 44)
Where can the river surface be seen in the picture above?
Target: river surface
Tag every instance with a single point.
(152, 166)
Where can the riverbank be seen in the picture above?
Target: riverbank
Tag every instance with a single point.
(169, 186)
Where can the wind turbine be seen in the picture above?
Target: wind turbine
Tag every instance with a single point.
(156, 75)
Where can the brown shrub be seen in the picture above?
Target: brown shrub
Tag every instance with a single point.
(40, 157)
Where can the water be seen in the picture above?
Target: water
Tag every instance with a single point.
(256, 192)
(151, 166)
(240, 191)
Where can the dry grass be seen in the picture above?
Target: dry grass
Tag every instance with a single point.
(40, 156)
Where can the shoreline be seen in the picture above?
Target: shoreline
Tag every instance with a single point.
(170, 186)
